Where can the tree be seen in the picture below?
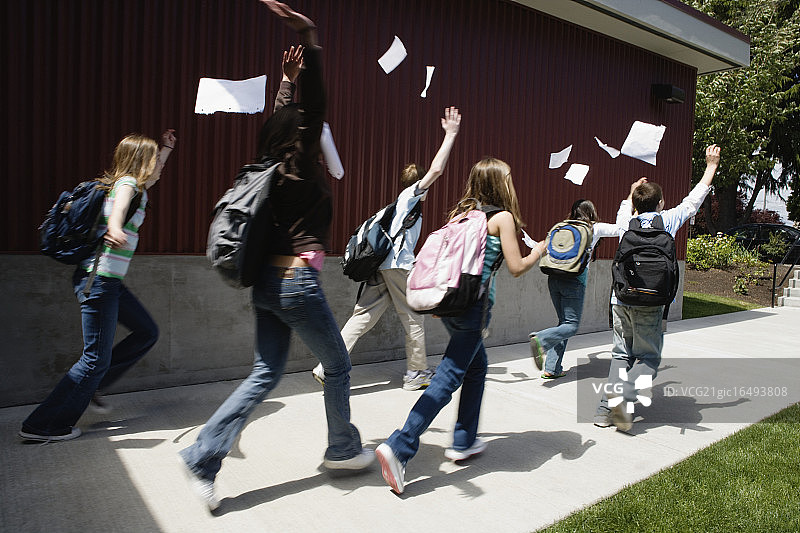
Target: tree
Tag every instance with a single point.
(752, 113)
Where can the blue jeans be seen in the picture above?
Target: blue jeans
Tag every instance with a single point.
(464, 364)
(101, 363)
(638, 340)
(284, 300)
(567, 295)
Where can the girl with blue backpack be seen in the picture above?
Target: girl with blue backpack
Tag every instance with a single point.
(464, 363)
(136, 167)
(567, 293)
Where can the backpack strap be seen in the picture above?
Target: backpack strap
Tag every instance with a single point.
(408, 222)
(657, 223)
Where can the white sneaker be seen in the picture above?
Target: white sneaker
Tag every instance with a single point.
(392, 470)
(460, 455)
(319, 374)
(417, 379)
(359, 462)
(202, 488)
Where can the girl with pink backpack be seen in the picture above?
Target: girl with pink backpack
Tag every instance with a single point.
(464, 363)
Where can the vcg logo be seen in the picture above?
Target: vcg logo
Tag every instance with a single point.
(614, 390)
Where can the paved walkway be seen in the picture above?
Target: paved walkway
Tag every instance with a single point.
(542, 463)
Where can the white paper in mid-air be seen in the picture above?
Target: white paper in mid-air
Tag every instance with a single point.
(230, 96)
(429, 74)
(643, 142)
(393, 56)
(577, 173)
(559, 158)
(329, 152)
(613, 152)
(530, 243)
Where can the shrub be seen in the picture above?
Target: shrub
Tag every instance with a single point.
(707, 251)
(776, 248)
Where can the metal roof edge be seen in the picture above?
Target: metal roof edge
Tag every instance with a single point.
(665, 27)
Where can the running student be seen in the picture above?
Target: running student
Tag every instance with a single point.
(464, 363)
(567, 293)
(638, 334)
(389, 283)
(287, 296)
(136, 167)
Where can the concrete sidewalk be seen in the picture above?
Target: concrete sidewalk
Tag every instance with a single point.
(542, 462)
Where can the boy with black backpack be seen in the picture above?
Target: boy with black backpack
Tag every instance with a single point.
(388, 284)
(643, 285)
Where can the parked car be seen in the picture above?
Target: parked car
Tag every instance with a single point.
(753, 236)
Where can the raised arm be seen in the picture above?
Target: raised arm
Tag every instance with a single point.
(450, 124)
(291, 65)
(502, 225)
(168, 141)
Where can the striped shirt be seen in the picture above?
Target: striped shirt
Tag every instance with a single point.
(114, 262)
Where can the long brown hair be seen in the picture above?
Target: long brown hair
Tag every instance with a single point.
(490, 183)
(134, 156)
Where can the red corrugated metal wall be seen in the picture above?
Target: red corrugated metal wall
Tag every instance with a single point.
(80, 74)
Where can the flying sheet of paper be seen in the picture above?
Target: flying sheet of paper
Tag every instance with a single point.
(230, 96)
(643, 142)
(428, 76)
(393, 56)
(559, 158)
(530, 243)
(613, 152)
(329, 152)
(577, 173)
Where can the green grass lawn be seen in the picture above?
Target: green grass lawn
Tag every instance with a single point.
(747, 482)
(696, 305)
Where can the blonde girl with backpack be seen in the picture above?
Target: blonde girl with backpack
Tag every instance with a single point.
(136, 167)
(464, 363)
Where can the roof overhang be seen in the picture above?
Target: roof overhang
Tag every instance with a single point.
(665, 27)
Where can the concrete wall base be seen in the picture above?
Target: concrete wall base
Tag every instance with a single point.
(207, 327)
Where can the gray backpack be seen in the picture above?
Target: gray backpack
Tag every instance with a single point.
(243, 226)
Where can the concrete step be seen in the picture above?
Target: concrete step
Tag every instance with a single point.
(789, 301)
(794, 283)
(792, 292)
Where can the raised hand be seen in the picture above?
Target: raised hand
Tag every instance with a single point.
(292, 63)
(451, 121)
(712, 155)
(168, 139)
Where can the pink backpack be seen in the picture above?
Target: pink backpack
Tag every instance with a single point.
(446, 277)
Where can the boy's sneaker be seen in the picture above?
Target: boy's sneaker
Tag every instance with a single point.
(359, 462)
(603, 421)
(460, 455)
(417, 379)
(99, 404)
(392, 470)
(619, 416)
(319, 374)
(202, 488)
(536, 352)
(74, 433)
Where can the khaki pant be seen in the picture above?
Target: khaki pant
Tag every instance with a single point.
(389, 284)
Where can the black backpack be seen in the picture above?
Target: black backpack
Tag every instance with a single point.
(242, 226)
(371, 243)
(645, 268)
